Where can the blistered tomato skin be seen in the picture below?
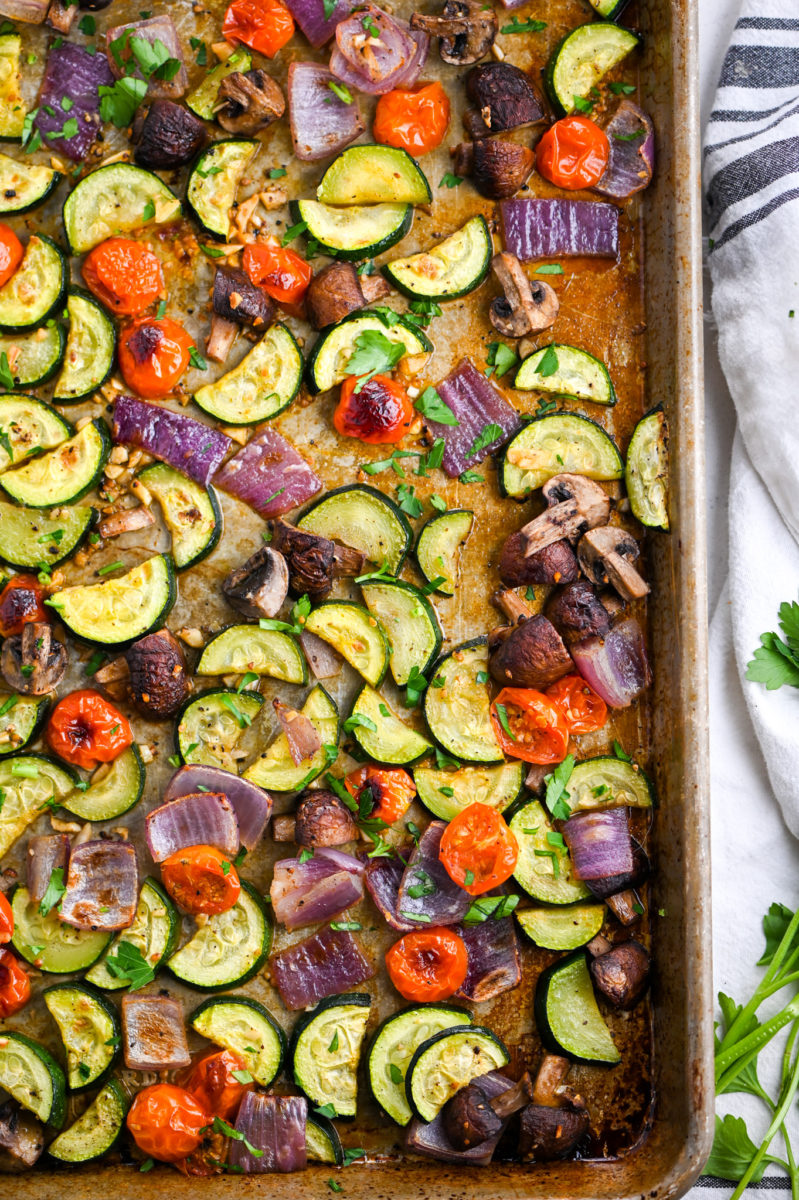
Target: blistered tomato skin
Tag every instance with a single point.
(153, 355)
(21, 601)
(15, 986)
(211, 1082)
(478, 849)
(380, 412)
(167, 1122)
(392, 790)
(281, 272)
(573, 153)
(85, 730)
(201, 880)
(263, 25)
(11, 252)
(415, 121)
(124, 275)
(428, 964)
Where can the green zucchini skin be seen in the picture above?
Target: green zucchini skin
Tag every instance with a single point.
(319, 379)
(466, 279)
(49, 1107)
(83, 306)
(374, 174)
(204, 198)
(426, 1054)
(301, 1070)
(98, 1009)
(333, 504)
(96, 1131)
(46, 303)
(131, 188)
(41, 704)
(196, 977)
(301, 210)
(34, 193)
(589, 1039)
(76, 483)
(168, 595)
(264, 1029)
(565, 60)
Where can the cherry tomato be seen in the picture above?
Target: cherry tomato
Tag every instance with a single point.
(380, 412)
(11, 253)
(281, 272)
(391, 789)
(213, 1085)
(201, 880)
(6, 920)
(263, 25)
(478, 849)
(124, 275)
(428, 964)
(153, 354)
(582, 709)
(15, 986)
(21, 601)
(529, 726)
(413, 121)
(85, 730)
(167, 1122)
(573, 153)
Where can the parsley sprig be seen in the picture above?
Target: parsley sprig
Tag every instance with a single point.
(776, 660)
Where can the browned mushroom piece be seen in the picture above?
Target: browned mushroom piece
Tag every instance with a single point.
(337, 290)
(34, 661)
(472, 1116)
(550, 1080)
(498, 168)
(259, 587)
(220, 340)
(530, 653)
(322, 819)
(159, 680)
(525, 307)
(547, 1133)
(621, 974)
(168, 135)
(313, 561)
(505, 99)
(21, 1138)
(577, 612)
(574, 505)
(466, 30)
(237, 299)
(127, 520)
(302, 735)
(61, 14)
(556, 563)
(606, 555)
(251, 100)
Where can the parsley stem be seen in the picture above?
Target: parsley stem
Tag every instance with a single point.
(786, 1100)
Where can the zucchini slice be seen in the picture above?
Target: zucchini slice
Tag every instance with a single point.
(90, 1030)
(457, 712)
(647, 473)
(394, 1045)
(22, 718)
(116, 200)
(326, 1049)
(327, 365)
(322, 1143)
(562, 928)
(204, 99)
(28, 782)
(351, 630)
(374, 175)
(119, 610)
(50, 945)
(608, 782)
(381, 734)
(546, 875)
(240, 649)
(35, 356)
(214, 181)
(245, 1027)
(408, 620)
(91, 346)
(556, 443)
(191, 513)
(112, 791)
(95, 1131)
(28, 538)
(274, 769)
(261, 386)
(36, 289)
(567, 1014)
(210, 726)
(155, 932)
(12, 107)
(581, 60)
(353, 233)
(440, 546)
(575, 374)
(23, 185)
(609, 10)
(452, 268)
(446, 1062)
(28, 425)
(229, 949)
(361, 517)
(447, 793)
(65, 474)
(32, 1076)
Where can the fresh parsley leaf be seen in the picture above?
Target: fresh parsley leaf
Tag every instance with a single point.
(733, 1150)
(549, 269)
(130, 964)
(333, 1047)
(490, 906)
(293, 232)
(276, 172)
(7, 381)
(346, 926)
(325, 1110)
(416, 685)
(502, 714)
(488, 434)
(430, 405)
(775, 926)
(374, 354)
(408, 501)
(549, 363)
(358, 719)
(449, 180)
(343, 93)
(582, 104)
(395, 1073)
(620, 752)
(529, 26)
(556, 793)
(220, 1126)
(201, 51)
(500, 360)
(118, 103)
(196, 359)
(243, 1076)
(55, 890)
(471, 477)
(622, 89)
(352, 1154)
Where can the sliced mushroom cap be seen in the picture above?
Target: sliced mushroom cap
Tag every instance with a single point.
(556, 563)
(259, 587)
(577, 612)
(505, 99)
(466, 30)
(33, 662)
(168, 136)
(60, 15)
(575, 504)
(606, 555)
(251, 101)
(532, 655)
(469, 1118)
(236, 298)
(548, 1133)
(21, 1138)
(322, 819)
(526, 307)
(159, 679)
(314, 561)
(498, 168)
(621, 974)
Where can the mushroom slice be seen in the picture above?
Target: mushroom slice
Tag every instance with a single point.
(33, 662)
(125, 521)
(314, 561)
(498, 168)
(621, 974)
(529, 654)
(221, 338)
(322, 819)
(159, 680)
(237, 299)
(472, 1116)
(337, 290)
(60, 15)
(526, 307)
(466, 30)
(259, 587)
(505, 99)
(574, 505)
(251, 100)
(606, 556)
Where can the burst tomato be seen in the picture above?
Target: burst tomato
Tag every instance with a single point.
(380, 412)
(201, 880)
(15, 986)
(167, 1122)
(153, 354)
(124, 275)
(85, 730)
(583, 711)
(213, 1084)
(413, 121)
(6, 920)
(428, 964)
(263, 25)
(573, 153)
(281, 272)
(392, 791)
(478, 849)
(529, 726)
(21, 601)
(11, 253)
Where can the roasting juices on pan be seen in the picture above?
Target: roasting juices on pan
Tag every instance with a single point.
(325, 475)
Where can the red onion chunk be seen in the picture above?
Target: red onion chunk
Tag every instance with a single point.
(616, 666)
(73, 74)
(321, 123)
(405, 76)
(547, 228)
(383, 878)
(325, 964)
(251, 804)
(341, 860)
(153, 29)
(32, 11)
(599, 843)
(310, 16)
(198, 819)
(632, 153)
(477, 403)
(375, 44)
(46, 853)
(154, 1035)
(443, 902)
(494, 965)
(318, 889)
(269, 475)
(102, 886)
(187, 445)
(322, 658)
(430, 1137)
(276, 1126)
